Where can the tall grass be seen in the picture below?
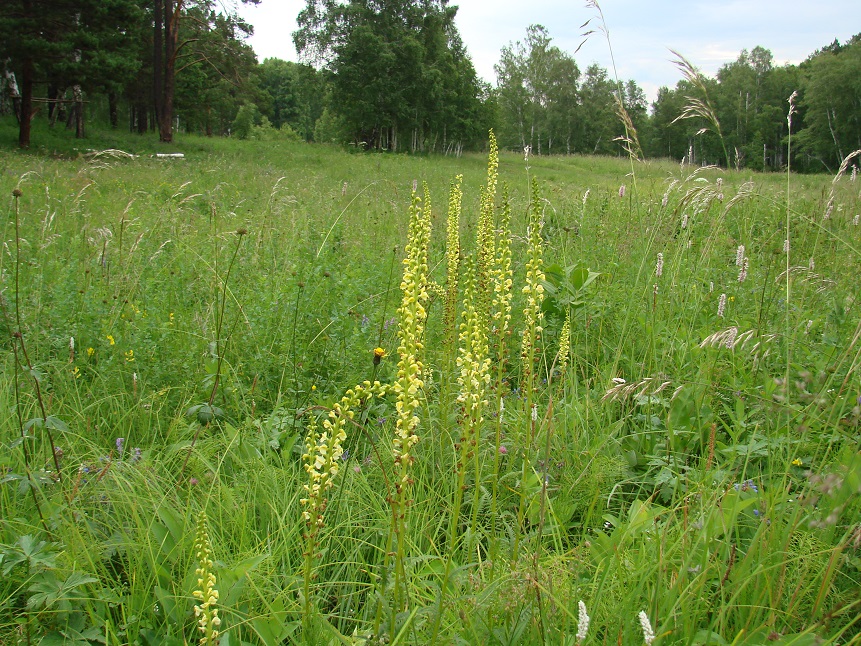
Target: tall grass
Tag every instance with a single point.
(672, 465)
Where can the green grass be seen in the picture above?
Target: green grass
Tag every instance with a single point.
(707, 489)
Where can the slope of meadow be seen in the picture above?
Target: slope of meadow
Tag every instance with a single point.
(176, 330)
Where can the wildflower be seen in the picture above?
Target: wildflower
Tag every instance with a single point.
(76, 373)
(742, 275)
(565, 342)
(170, 318)
(193, 481)
(797, 462)
(344, 189)
(136, 454)
(324, 452)
(719, 182)
(503, 450)
(739, 255)
(90, 352)
(586, 196)
(786, 246)
(130, 356)
(534, 412)
(526, 151)
(856, 220)
(622, 191)
(811, 265)
(119, 442)
(208, 620)
(659, 265)
(648, 633)
(533, 290)
(721, 305)
(711, 286)
(313, 387)
(747, 485)
(110, 339)
(685, 221)
(379, 353)
(582, 623)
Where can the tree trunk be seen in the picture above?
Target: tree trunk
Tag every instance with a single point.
(26, 104)
(171, 34)
(143, 121)
(157, 58)
(113, 109)
(79, 111)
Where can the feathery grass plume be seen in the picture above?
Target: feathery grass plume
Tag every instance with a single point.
(757, 345)
(205, 612)
(844, 166)
(452, 253)
(623, 390)
(630, 140)
(409, 385)
(698, 107)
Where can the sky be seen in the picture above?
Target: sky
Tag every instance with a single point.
(709, 33)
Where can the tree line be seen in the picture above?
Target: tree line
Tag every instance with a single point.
(395, 75)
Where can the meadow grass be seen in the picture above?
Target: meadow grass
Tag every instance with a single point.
(675, 463)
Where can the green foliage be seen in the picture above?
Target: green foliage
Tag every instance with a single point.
(401, 77)
(668, 471)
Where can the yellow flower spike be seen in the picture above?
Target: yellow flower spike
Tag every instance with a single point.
(533, 291)
(208, 621)
(452, 252)
(564, 343)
